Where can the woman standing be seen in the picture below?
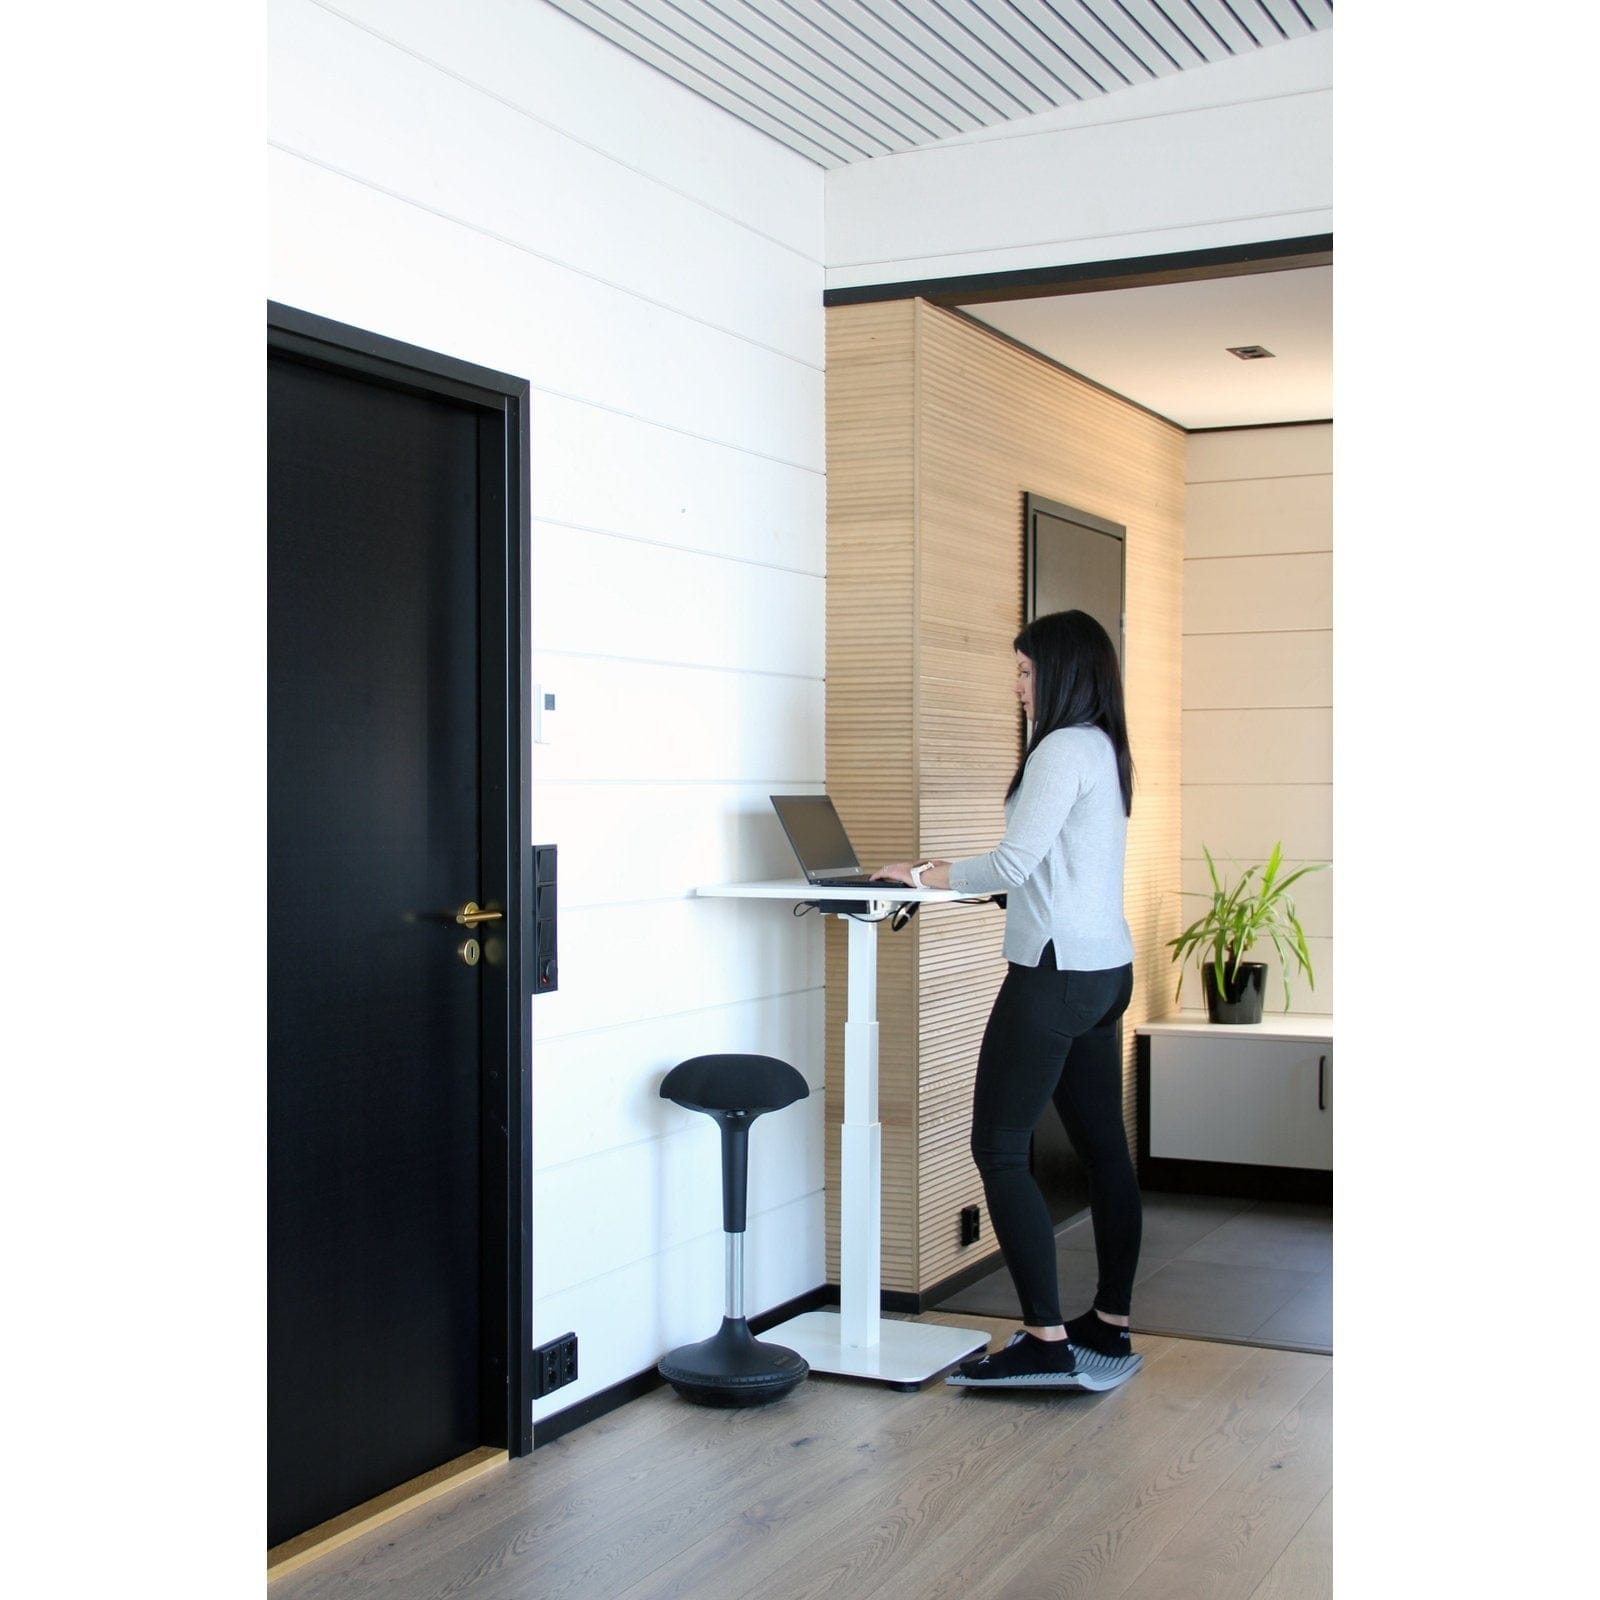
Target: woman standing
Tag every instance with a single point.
(1053, 1031)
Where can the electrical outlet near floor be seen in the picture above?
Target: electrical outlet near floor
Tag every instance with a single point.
(555, 1364)
(969, 1224)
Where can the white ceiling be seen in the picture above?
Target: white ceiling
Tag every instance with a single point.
(1166, 345)
(840, 81)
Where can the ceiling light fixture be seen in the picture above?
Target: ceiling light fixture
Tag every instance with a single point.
(1250, 352)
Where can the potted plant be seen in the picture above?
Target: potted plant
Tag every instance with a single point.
(1241, 915)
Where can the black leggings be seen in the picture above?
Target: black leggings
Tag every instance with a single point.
(1053, 1035)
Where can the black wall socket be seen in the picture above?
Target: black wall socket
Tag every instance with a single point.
(969, 1224)
(555, 1364)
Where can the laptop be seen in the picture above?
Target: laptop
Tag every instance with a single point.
(822, 847)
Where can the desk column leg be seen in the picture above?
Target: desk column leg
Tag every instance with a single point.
(861, 1146)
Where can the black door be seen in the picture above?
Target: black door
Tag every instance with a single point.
(377, 1246)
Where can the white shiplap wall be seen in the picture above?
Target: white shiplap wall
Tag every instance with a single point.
(490, 180)
(1258, 673)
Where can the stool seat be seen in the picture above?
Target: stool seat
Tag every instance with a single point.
(751, 1085)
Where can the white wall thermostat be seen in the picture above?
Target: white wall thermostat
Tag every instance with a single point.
(544, 714)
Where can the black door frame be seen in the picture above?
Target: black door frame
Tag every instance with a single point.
(505, 781)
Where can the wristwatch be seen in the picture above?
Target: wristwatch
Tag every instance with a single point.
(917, 871)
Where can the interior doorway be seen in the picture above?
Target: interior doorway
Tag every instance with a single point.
(399, 1309)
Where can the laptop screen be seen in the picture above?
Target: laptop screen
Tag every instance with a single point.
(816, 833)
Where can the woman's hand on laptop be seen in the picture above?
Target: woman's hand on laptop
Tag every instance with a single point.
(916, 875)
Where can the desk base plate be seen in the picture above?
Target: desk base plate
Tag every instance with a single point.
(906, 1352)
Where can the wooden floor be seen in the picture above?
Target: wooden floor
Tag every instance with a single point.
(1207, 1477)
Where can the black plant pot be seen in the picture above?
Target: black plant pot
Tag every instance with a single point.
(1243, 999)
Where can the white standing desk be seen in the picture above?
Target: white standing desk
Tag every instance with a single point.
(856, 1340)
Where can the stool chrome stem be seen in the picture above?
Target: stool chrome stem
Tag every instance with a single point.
(735, 1262)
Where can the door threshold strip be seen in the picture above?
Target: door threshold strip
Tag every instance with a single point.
(318, 1541)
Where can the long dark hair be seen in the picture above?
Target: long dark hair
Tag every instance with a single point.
(1076, 684)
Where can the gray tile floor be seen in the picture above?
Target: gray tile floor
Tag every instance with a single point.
(1237, 1271)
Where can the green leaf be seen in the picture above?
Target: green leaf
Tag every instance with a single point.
(1255, 908)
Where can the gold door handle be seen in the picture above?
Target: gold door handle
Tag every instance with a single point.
(469, 916)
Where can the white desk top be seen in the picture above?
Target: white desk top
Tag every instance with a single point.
(1273, 1025)
(799, 889)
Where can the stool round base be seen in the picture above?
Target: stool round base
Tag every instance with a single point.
(732, 1368)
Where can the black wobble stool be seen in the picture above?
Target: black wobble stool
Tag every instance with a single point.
(733, 1367)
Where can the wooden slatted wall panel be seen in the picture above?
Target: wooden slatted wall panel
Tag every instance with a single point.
(936, 430)
(995, 423)
(871, 611)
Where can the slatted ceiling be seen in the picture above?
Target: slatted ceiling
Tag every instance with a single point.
(1063, 78)
(869, 48)
(845, 80)
(1011, 78)
(1156, 40)
(713, 72)
(978, 88)
(1293, 20)
(1226, 21)
(1130, 54)
(863, 93)
(938, 84)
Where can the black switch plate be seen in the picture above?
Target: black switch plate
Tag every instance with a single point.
(546, 973)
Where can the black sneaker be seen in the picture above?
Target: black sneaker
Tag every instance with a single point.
(1030, 1363)
(1092, 1332)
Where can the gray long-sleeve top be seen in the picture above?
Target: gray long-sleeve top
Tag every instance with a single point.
(1060, 863)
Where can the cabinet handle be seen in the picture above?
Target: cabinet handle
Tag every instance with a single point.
(1322, 1068)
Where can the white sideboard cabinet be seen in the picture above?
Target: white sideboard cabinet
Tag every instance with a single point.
(1257, 1096)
